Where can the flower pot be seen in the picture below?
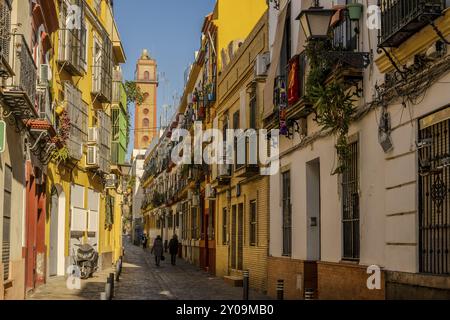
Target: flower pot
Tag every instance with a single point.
(355, 11)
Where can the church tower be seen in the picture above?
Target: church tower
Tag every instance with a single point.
(145, 122)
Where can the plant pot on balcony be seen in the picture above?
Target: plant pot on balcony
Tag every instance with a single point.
(355, 11)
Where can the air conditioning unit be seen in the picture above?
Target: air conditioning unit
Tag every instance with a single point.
(111, 181)
(262, 64)
(210, 192)
(196, 200)
(93, 156)
(44, 74)
(93, 135)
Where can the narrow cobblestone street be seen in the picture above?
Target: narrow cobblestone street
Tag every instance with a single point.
(142, 280)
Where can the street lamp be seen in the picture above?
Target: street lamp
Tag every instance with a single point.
(316, 21)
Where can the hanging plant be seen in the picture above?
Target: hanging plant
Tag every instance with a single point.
(332, 103)
(61, 155)
(134, 95)
(60, 140)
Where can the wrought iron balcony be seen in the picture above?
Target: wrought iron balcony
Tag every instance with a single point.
(102, 72)
(400, 19)
(5, 38)
(20, 91)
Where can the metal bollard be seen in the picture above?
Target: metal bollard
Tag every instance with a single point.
(108, 290)
(111, 281)
(103, 296)
(309, 294)
(280, 290)
(246, 284)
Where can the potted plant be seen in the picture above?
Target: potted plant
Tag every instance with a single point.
(355, 10)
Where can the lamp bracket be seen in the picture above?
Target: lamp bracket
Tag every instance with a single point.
(403, 73)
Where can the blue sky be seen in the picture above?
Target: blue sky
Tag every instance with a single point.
(170, 30)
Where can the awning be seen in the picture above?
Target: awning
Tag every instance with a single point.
(275, 61)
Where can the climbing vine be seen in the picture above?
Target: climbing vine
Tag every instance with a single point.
(332, 103)
(134, 95)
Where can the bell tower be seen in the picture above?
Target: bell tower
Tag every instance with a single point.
(145, 114)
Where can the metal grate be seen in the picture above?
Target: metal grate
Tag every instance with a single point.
(400, 19)
(5, 28)
(350, 205)
(434, 199)
(287, 214)
(240, 239)
(233, 237)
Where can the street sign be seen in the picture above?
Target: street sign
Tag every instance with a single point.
(2, 135)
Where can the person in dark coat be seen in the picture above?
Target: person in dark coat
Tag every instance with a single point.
(173, 249)
(158, 250)
(144, 241)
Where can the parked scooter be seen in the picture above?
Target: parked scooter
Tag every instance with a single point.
(86, 258)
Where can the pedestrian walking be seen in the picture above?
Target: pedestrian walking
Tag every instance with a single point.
(173, 249)
(157, 250)
(144, 241)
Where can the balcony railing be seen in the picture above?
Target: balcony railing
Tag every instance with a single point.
(20, 92)
(5, 38)
(102, 71)
(77, 110)
(72, 43)
(400, 19)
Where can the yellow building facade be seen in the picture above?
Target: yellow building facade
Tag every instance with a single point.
(242, 193)
(84, 205)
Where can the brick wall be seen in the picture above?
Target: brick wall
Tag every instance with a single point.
(410, 286)
(338, 281)
(290, 271)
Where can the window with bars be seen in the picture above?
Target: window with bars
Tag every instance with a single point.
(345, 33)
(77, 111)
(350, 205)
(170, 221)
(72, 40)
(287, 214)
(194, 223)
(236, 125)
(253, 223)
(104, 123)
(434, 193)
(253, 109)
(224, 226)
(6, 244)
(5, 28)
(211, 220)
(102, 68)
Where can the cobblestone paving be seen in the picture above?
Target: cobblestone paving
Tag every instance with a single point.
(142, 280)
(56, 288)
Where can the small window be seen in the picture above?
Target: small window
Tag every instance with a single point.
(146, 75)
(253, 223)
(350, 206)
(6, 244)
(224, 227)
(145, 123)
(287, 214)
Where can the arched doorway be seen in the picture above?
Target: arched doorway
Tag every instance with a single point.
(57, 231)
